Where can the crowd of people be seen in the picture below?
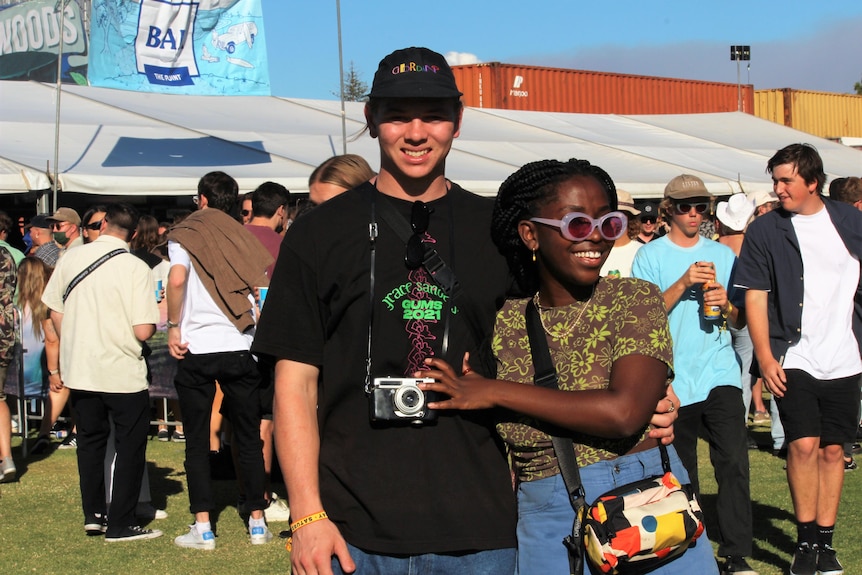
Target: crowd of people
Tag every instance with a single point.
(391, 375)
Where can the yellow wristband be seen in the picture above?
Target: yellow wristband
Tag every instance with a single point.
(728, 311)
(294, 527)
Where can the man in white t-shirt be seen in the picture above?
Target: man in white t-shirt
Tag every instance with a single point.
(800, 265)
(215, 265)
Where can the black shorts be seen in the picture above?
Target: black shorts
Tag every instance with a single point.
(812, 407)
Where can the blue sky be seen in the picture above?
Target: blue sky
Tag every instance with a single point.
(796, 44)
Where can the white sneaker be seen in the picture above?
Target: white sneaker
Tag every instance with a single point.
(134, 533)
(7, 470)
(194, 540)
(277, 510)
(146, 510)
(260, 535)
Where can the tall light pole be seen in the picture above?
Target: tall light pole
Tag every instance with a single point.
(739, 53)
(341, 80)
(61, 6)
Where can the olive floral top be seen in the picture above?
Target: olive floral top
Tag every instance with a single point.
(624, 316)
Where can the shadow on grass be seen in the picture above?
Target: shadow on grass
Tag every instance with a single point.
(767, 528)
(163, 483)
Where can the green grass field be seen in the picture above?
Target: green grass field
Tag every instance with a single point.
(41, 522)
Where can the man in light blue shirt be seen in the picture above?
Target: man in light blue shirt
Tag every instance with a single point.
(692, 273)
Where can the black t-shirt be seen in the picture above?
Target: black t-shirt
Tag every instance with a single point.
(394, 489)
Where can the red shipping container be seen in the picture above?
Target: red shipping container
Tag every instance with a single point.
(513, 87)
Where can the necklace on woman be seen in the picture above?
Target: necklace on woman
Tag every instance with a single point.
(570, 328)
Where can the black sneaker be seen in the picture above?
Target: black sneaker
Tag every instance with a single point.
(71, 442)
(737, 565)
(827, 563)
(804, 560)
(42, 445)
(96, 524)
(850, 465)
(134, 533)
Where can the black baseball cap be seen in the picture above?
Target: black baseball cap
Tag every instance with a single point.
(649, 210)
(414, 73)
(39, 221)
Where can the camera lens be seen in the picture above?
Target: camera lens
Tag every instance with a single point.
(409, 399)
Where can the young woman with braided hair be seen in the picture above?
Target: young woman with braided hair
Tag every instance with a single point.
(556, 222)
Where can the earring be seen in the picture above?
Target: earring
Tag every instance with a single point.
(534, 256)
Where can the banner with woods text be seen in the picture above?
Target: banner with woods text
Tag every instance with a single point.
(30, 35)
(202, 47)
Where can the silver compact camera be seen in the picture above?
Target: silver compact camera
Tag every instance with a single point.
(400, 399)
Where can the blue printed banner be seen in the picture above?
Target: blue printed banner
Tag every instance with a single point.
(203, 47)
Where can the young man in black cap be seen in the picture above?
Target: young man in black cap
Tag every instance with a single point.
(435, 492)
(649, 223)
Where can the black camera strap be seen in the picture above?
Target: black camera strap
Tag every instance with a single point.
(403, 230)
(90, 269)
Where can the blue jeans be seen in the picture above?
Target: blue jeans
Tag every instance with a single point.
(493, 562)
(545, 515)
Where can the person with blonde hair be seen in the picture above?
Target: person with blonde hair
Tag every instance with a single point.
(337, 175)
(39, 334)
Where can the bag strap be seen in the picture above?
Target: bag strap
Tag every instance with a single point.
(545, 375)
(442, 273)
(89, 269)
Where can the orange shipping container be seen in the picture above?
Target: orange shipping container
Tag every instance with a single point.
(824, 114)
(513, 87)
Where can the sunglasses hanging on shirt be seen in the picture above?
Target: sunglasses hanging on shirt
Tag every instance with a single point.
(419, 217)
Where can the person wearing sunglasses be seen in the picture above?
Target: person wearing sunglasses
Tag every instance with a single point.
(44, 247)
(247, 207)
(649, 227)
(555, 223)
(66, 228)
(92, 226)
(348, 498)
(692, 272)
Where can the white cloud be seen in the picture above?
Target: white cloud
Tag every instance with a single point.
(461, 58)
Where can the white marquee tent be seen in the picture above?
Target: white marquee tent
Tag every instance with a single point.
(128, 143)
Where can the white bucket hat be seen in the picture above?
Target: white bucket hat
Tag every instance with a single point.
(760, 197)
(735, 212)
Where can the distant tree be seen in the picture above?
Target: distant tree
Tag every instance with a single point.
(355, 89)
(858, 87)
